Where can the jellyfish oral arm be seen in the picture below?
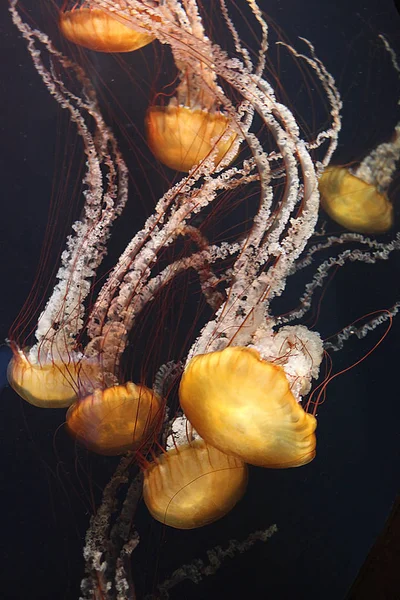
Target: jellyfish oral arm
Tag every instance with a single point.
(378, 167)
(332, 93)
(375, 251)
(105, 197)
(131, 284)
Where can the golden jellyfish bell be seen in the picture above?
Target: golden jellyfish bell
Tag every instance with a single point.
(115, 420)
(98, 30)
(49, 384)
(243, 405)
(180, 137)
(193, 485)
(353, 203)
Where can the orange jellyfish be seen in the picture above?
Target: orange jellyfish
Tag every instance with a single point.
(193, 485)
(243, 405)
(53, 371)
(182, 135)
(192, 127)
(98, 30)
(357, 198)
(50, 384)
(116, 420)
(353, 203)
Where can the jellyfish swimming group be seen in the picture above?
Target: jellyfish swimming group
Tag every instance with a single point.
(244, 380)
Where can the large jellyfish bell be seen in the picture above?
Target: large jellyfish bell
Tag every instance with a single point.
(241, 400)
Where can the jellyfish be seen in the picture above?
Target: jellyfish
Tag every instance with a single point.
(193, 126)
(357, 198)
(115, 421)
(246, 363)
(193, 485)
(244, 406)
(53, 372)
(98, 30)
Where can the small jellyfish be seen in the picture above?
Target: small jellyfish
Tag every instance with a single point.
(353, 203)
(116, 420)
(49, 383)
(182, 136)
(193, 485)
(192, 126)
(98, 30)
(243, 406)
(357, 199)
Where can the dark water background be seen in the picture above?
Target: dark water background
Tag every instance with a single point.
(329, 512)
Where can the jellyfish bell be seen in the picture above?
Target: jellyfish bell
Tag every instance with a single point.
(353, 203)
(193, 485)
(45, 385)
(50, 383)
(116, 420)
(181, 136)
(98, 30)
(243, 405)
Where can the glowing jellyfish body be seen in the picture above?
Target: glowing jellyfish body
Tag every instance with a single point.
(97, 30)
(353, 203)
(243, 405)
(52, 384)
(193, 485)
(115, 420)
(181, 137)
